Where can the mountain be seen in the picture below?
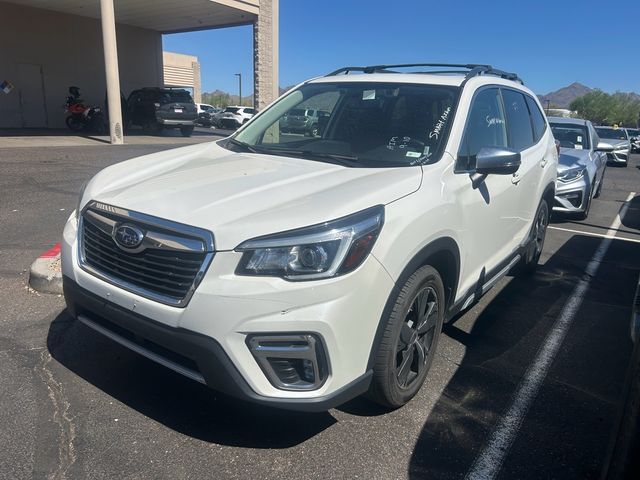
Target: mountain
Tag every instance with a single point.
(563, 97)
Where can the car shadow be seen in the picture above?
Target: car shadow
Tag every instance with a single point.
(632, 217)
(568, 430)
(173, 400)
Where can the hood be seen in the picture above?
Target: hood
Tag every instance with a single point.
(238, 196)
(572, 158)
(615, 142)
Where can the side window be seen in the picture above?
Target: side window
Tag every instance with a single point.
(518, 121)
(537, 119)
(485, 128)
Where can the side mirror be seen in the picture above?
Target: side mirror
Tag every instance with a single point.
(604, 147)
(495, 161)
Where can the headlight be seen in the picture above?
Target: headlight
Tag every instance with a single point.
(320, 251)
(78, 204)
(621, 147)
(572, 174)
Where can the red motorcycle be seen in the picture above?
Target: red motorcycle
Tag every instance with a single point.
(82, 117)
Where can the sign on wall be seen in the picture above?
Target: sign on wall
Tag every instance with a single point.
(6, 86)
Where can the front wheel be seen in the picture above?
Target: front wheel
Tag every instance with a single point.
(410, 338)
(529, 261)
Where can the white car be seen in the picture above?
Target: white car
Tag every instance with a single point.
(205, 108)
(234, 116)
(300, 272)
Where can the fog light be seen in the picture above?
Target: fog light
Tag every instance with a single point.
(291, 361)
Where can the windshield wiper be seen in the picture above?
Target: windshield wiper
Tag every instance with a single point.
(244, 146)
(342, 158)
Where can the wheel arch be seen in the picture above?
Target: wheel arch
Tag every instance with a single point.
(442, 254)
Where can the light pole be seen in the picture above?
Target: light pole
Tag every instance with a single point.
(239, 75)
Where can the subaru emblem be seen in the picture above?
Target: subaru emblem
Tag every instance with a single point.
(128, 236)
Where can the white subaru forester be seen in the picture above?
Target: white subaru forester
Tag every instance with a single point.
(301, 271)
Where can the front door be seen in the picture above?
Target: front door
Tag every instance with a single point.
(32, 99)
(490, 211)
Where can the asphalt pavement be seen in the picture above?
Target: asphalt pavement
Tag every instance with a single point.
(75, 405)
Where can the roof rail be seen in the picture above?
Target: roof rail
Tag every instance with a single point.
(471, 70)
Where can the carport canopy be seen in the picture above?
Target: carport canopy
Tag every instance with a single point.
(172, 16)
(164, 16)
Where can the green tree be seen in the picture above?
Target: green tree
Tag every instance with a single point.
(606, 109)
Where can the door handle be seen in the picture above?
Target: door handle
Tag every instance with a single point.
(515, 179)
(543, 162)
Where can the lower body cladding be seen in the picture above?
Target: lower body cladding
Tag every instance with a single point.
(572, 197)
(294, 345)
(621, 157)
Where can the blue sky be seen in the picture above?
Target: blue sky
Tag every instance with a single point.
(550, 44)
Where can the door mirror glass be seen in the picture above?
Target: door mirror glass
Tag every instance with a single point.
(604, 147)
(497, 161)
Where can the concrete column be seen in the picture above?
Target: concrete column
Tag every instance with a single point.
(265, 54)
(110, 47)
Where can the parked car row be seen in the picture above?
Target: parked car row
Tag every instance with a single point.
(634, 138)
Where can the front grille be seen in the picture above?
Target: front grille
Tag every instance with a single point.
(166, 271)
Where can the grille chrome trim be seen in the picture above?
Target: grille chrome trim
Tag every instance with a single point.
(158, 236)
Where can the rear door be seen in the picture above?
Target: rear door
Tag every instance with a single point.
(526, 180)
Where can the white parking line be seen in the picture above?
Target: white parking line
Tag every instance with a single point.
(489, 461)
(592, 234)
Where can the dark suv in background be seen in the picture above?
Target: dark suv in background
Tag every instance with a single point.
(157, 108)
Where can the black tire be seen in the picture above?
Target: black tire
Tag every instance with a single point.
(529, 261)
(597, 194)
(152, 127)
(410, 339)
(74, 123)
(186, 131)
(583, 215)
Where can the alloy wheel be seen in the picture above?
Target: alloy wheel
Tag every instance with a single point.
(541, 230)
(416, 337)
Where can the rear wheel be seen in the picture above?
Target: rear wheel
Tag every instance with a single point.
(410, 339)
(186, 131)
(529, 261)
(74, 123)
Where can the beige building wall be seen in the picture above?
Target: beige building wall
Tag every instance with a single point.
(182, 70)
(43, 52)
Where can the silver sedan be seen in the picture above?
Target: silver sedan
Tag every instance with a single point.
(581, 165)
(619, 139)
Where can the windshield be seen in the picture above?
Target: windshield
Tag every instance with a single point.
(571, 135)
(366, 124)
(169, 96)
(231, 110)
(611, 133)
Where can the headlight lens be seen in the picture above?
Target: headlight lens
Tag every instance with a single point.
(320, 251)
(572, 174)
(621, 147)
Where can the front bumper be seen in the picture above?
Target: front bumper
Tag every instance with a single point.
(196, 356)
(572, 197)
(618, 156)
(211, 332)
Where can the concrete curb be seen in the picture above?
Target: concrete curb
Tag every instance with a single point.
(45, 275)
